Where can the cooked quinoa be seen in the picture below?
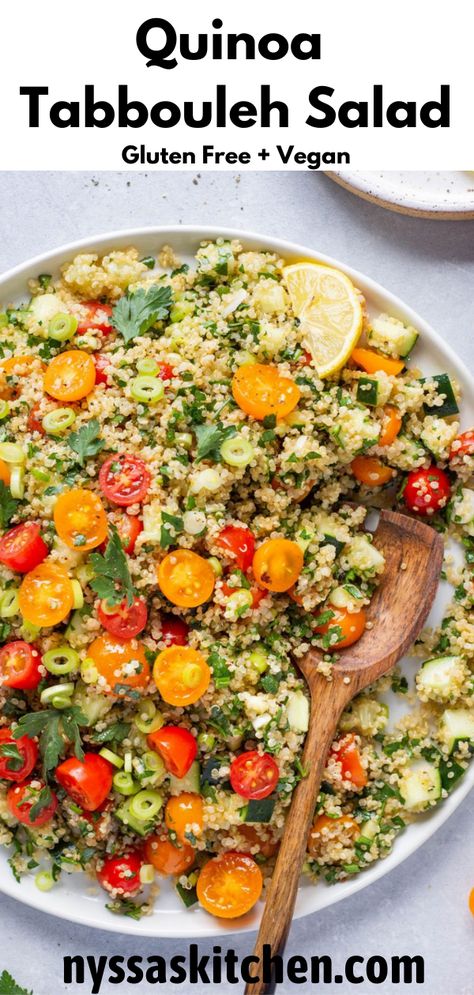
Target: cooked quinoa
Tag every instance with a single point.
(168, 346)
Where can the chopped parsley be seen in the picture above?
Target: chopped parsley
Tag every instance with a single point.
(135, 313)
(112, 581)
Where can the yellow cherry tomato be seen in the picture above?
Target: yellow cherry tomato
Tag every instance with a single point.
(369, 470)
(277, 564)
(184, 814)
(186, 578)
(18, 366)
(70, 375)
(181, 675)
(4, 472)
(122, 662)
(348, 626)
(391, 425)
(168, 858)
(229, 885)
(326, 829)
(46, 595)
(80, 519)
(261, 390)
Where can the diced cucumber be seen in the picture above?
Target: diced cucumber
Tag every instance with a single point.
(363, 557)
(450, 772)
(345, 596)
(187, 895)
(259, 809)
(420, 786)
(441, 679)
(212, 766)
(304, 538)
(444, 387)
(328, 540)
(438, 435)
(297, 711)
(190, 782)
(457, 726)
(462, 509)
(130, 821)
(368, 391)
(355, 430)
(92, 704)
(391, 336)
(366, 716)
(45, 307)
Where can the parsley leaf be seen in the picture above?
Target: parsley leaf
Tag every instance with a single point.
(43, 800)
(8, 505)
(112, 581)
(86, 441)
(210, 439)
(135, 313)
(15, 760)
(117, 732)
(168, 535)
(8, 985)
(55, 729)
(125, 907)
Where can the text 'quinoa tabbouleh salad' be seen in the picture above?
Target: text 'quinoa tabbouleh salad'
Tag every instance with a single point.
(187, 456)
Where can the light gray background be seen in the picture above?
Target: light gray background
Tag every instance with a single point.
(421, 907)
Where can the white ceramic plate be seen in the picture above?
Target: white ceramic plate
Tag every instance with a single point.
(73, 898)
(434, 194)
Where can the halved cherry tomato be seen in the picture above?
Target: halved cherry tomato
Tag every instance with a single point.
(124, 479)
(257, 593)
(87, 781)
(128, 528)
(28, 750)
(427, 491)
(114, 659)
(5, 472)
(184, 814)
(124, 621)
(347, 626)
(166, 372)
(18, 366)
(254, 774)
(186, 578)
(324, 828)
(168, 858)
(277, 564)
(268, 847)
(229, 885)
(22, 797)
(176, 746)
(46, 595)
(392, 424)
(174, 631)
(463, 445)
(80, 519)
(70, 376)
(34, 424)
(370, 471)
(102, 366)
(240, 542)
(306, 358)
(261, 390)
(372, 362)
(121, 874)
(347, 754)
(22, 548)
(96, 318)
(20, 666)
(181, 675)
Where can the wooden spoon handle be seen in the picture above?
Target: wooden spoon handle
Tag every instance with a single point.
(328, 701)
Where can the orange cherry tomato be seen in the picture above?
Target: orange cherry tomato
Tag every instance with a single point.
(229, 885)
(46, 595)
(70, 375)
(113, 658)
(277, 564)
(18, 366)
(80, 519)
(181, 675)
(268, 847)
(347, 754)
(184, 814)
(348, 626)
(391, 425)
(369, 470)
(261, 390)
(4, 472)
(331, 829)
(186, 578)
(168, 858)
(372, 362)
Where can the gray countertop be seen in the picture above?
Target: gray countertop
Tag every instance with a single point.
(421, 907)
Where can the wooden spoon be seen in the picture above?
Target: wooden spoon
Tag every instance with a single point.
(413, 558)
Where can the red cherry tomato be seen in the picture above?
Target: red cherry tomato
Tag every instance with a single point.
(22, 548)
(102, 366)
(125, 621)
(22, 797)
(28, 750)
(34, 423)
(306, 359)
(258, 594)
(463, 446)
(19, 666)
(96, 318)
(87, 781)
(427, 491)
(174, 631)
(240, 542)
(254, 774)
(121, 874)
(176, 746)
(347, 754)
(128, 528)
(124, 479)
(166, 372)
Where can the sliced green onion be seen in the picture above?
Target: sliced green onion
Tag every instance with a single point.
(112, 757)
(11, 453)
(123, 783)
(154, 762)
(180, 310)
(61, 660)
(17, 482)
(62, 327)
(149, 262)
(58, 695)
(194, 522)
(184, 439)
(244, 358)
(56, 422)
(239, 602)
(147, 874)
(89, 672)
(216, 565)
(146, 805)
(149, 719)
(4, 409)
(9, 604)
(29, 632)
(77, 594)
(128, 762)
(149, 367)
(206, 740)
(41, 475)
(147, 390)
(44, 881)
(258, 660)
(237, 451)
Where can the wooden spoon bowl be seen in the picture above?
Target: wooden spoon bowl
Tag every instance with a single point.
(413, 555)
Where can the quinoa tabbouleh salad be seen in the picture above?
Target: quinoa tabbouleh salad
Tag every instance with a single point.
(187, 458)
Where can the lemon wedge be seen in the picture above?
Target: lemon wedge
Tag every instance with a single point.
(329, 309)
